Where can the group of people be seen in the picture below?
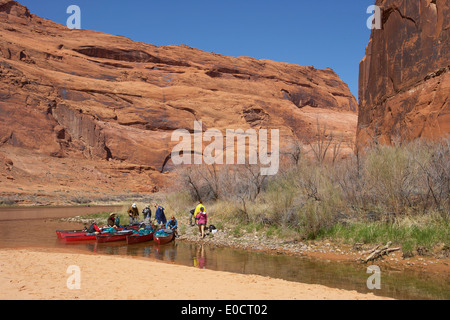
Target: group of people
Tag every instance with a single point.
(160, 217)
(198, 214)
(113, 220)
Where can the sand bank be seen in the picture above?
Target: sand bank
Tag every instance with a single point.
(42, 274)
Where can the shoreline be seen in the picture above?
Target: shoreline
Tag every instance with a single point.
(330, 250)
(327, 250)
(97, 281)
(17, 263)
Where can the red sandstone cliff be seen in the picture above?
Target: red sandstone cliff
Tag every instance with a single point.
(404, 80)
(85, 103)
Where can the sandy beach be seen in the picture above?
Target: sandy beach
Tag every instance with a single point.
(42, 274)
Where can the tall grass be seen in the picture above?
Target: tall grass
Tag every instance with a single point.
(411, 235)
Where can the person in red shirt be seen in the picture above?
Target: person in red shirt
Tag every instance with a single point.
(93, 229)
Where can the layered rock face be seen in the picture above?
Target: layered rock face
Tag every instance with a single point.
(78, 94)
(404, 80)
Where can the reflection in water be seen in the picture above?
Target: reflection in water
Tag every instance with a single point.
(167, 252)
(200, 258)
(349, 276)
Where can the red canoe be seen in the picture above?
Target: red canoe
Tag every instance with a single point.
(81, 234)
(138, 238)
(110, 237)
(163, 239)
(82, 237)
(66, 233)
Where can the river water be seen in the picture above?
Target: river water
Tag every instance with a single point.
(30, 231)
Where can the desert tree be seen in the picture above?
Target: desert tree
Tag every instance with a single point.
(324, 141)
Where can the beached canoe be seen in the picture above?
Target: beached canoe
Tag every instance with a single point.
(62, 234)
(138, 238)
(163, 238)
(92, 237)
(82, 237)
(111, 237)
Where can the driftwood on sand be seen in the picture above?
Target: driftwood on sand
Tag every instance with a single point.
(377, 252)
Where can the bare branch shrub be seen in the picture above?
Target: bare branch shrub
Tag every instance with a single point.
(433, 160)
(323, 142)
(382, 182)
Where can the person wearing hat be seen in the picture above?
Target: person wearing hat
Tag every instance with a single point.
(133, 213)
(111, 220)
(147, 212)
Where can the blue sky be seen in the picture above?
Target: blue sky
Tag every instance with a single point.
(326, 33)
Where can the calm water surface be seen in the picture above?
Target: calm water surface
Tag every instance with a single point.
(401, 285)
